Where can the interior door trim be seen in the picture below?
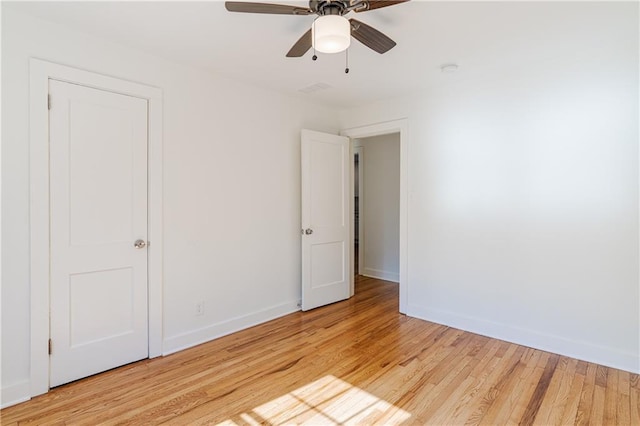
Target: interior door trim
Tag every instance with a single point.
(377, 129)
(40, 72)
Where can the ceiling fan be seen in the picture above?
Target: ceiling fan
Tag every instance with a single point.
(331, 32)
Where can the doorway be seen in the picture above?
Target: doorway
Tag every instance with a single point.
(377, 206)
(398, 127)
(357, 179)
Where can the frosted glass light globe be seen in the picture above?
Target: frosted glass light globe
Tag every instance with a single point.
(331, 34)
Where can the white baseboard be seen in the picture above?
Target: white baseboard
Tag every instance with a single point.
(381, 275)
(559, 345)
(15, 394)
(213, 331)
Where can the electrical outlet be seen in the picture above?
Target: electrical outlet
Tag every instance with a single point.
(200, 308)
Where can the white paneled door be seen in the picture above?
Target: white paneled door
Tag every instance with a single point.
(98, 201)
(325, 219)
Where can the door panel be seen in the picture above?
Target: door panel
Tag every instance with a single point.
(327, 183)
(96, 150)
(327, 264)
(100, 305)
(325, 213)
(98, 192)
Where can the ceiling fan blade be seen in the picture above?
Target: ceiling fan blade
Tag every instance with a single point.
(371, 37)
(301, 47)
(275, 9)
(377, 4)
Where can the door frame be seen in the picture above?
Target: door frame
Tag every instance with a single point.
(360, 151)
(377, 129)
(40, 72)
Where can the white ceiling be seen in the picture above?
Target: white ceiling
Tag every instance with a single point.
(483, 38)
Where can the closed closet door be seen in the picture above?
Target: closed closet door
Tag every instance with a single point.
(98, 195)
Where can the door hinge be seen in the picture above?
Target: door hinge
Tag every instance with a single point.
(48, 101)
(50, 346)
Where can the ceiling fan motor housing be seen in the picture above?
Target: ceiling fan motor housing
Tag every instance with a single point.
(337, 7)
(327, 7)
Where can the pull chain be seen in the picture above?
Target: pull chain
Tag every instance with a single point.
(346, 69)
(313, 42)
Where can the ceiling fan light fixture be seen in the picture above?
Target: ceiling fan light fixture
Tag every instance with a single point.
(331, 34)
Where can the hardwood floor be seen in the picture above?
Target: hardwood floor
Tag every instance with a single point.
(354, 362)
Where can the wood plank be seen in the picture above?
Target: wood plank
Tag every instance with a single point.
(541, 388)
(429, 400)
(485, 390)
(556, 397)
(623, 404)
(527, 384)
(610, 397)
(634, 406)
(502, 403)
(464, 405)
(597, 407)
(570, 411)
(634, 380)
(357, 361)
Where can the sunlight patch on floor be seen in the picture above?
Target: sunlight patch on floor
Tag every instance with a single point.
(326, 401)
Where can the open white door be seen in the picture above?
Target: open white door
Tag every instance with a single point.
(325, 219)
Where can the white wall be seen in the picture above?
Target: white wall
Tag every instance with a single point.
(380, 216)
(231, 190)
(523, 197)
